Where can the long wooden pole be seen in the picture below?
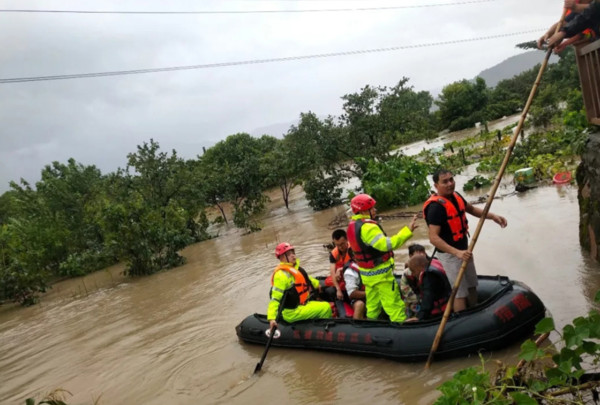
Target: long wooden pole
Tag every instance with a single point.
(488, 204)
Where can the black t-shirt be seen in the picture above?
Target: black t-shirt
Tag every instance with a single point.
(436, 215)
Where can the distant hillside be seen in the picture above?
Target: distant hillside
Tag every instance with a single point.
(513, 66)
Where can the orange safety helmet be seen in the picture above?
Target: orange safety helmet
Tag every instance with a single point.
(283, 248)
(362, 202)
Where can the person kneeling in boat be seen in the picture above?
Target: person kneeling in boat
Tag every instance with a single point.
(408, 283)
(289, 276)
(374, 253)
(355, 289)
(433, 288)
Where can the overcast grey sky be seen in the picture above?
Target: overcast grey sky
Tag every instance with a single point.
(100, 120)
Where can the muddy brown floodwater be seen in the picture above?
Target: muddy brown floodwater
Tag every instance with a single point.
(169, 338)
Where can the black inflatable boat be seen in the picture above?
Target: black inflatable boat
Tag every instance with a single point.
(507, 313)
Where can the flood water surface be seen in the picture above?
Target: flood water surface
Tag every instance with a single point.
(170, 339)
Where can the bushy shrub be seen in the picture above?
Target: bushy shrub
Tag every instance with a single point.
(398, 182)
(323, 192)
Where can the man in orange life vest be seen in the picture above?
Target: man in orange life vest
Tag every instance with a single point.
(374, 253)
(445, 213)
(339, 256)
(431, 286)
(288, 275)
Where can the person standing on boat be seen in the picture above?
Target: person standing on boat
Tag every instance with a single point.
(289, 276)
(339, 256)
(445, 213)
(432, 287)
(374, 253)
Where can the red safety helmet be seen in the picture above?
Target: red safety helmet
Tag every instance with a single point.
(362, 202)
(282, 248)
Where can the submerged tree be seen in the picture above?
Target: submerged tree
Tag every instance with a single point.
(143, 214)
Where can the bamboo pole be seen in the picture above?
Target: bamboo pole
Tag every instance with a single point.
(488, 204)
(538, 342)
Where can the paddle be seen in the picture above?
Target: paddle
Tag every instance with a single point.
(488, 204)
(271, 334)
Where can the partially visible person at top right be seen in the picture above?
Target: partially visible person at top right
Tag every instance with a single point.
(445, 213)
(573, 8)
(585, 22)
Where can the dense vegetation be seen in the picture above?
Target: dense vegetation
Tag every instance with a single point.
(75, 219)
(554, 374)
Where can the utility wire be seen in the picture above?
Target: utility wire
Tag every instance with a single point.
(321, 10)
(256, 61)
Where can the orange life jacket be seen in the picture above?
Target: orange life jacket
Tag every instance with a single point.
(302, 287)
(457, 219)
(367, 257)
(339, 260)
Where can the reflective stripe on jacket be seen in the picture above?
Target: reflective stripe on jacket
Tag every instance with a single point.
(457, 219)
(288, 277)
(366, 256)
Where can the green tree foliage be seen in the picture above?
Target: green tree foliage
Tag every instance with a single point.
(509, 95)
(462, 104)
(397, 182)
(142, 214)
(234, 168)
(323, 192)
(284, 166)
(375, 119)
(547, 373)
(49, 231)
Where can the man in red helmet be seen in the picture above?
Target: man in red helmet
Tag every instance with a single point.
(374, 253)
(288, 275)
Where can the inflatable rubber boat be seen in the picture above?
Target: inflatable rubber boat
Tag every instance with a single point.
(506, 313)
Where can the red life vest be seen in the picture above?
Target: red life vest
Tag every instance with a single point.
(302, 287)
(367, 257)
(457, 219)
(439, 305)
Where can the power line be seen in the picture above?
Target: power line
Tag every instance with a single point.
(322, 10)
(256, 61)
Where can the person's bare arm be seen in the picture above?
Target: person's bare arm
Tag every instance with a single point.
(336, 284)
(477, 212)
(358, 295)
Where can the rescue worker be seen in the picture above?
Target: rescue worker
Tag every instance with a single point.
(373, 251)
(445, 213)
(432, 287)
(338, 257)
(288, 275)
